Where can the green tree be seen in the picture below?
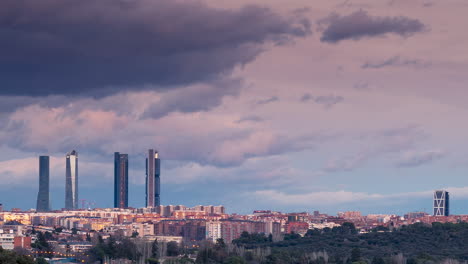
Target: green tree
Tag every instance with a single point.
(220, 243)
(172, 249)
(41, 261)
(155, 249)
(235, 260)
(378, 260)
(11, 257)
(355, 255)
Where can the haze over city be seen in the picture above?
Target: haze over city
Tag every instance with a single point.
(281, 105)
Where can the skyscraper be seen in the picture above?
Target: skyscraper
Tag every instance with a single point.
(43, 202)
(120, 180)
(71, 181)
(441, 203)
(153, 187)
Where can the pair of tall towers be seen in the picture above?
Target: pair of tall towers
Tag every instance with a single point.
(71, 182)
(153, 184)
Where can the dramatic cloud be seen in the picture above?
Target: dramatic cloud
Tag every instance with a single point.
(202, 97)
(415, 159)
(215, 140)
(360, 24)
(396, 61)
(100, 47)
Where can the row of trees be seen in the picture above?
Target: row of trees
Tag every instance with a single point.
(413, 244)
(136, 250)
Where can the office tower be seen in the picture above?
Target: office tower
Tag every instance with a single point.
(71, 181)
(1, 207)
(43, 203)
(120, 180)
(153, 187)
(441, 203)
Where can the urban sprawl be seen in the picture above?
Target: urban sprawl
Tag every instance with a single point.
(76, 229)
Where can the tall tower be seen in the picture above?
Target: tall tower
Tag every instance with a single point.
(71, 181)
(441, 203)
(43, 202)
(120, 180)
(153, 183)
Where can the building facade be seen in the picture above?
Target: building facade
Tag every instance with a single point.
(153, 183)
(120, 180)
(71, 181)
(441, 203)
(43, 202)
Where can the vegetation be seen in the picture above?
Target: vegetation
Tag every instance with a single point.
(112, 249)
(414, 244)
(11, 257)
(42, 246)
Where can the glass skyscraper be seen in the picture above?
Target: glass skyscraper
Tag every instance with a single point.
(441, 203)
(153, 187)
(71, 181)
(43, 202)
(120, 180)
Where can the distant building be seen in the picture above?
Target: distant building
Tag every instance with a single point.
(153, 183)
(1, 207)
(213, 230)
(120, 180)
(7, 240)
(350, 215)
(71, 181)
(22, 242)
(415, 215)
(43, 202)
(441, 203)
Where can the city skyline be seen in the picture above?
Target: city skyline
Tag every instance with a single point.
(121, 187)
(324, 105)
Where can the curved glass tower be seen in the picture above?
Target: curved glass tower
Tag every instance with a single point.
(153, 187)
(43, 202)
(71, 181)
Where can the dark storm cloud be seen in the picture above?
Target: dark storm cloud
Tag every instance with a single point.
(9, 104)
(360, 24)
(396, 61)
(99, 47)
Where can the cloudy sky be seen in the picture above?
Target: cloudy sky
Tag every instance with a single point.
(294, 105)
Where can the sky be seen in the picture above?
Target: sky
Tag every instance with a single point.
(297, 105)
